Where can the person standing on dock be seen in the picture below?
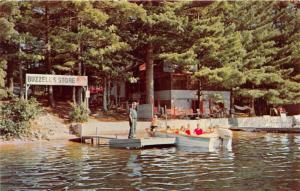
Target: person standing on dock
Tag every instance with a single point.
(132, 120)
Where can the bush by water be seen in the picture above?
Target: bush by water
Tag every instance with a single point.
(79, 113)
(15, 117)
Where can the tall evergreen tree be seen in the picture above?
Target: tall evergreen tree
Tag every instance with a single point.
(218, 46)
(212, 44)
(157, 33)
(263, 75)
(250, 48)
(8, 13)
(88, 43)
(288, 56)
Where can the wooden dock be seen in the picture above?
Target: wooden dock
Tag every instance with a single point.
(278, 130)
(123, 142)
(141, 143)
(92, 136)
(96, 139)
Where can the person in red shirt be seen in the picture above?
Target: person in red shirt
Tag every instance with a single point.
(198, 130)
(188, 131)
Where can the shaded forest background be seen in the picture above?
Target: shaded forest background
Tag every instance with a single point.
(249, 48)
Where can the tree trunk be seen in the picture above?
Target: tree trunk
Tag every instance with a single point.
(84, 93)
(61, 95)
(21, 80)
(74, 94)
(199, 89)
(252, 112)
(149, 68)
(108, 92)
(21, 74)
(149, 75)
(79, 89)
(104, 94)
(47, 58)
(231, 102)
(10, 76)
(79, 95)
(117, 93)
(50, 95)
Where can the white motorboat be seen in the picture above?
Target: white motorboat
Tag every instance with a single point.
(220, 138)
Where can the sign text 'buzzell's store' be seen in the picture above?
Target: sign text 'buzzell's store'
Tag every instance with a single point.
(56, 80)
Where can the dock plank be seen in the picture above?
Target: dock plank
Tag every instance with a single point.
(140, 143)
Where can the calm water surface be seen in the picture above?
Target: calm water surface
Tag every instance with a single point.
(258, 161)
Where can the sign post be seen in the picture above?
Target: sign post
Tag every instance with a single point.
(87, 96)
(26, 90)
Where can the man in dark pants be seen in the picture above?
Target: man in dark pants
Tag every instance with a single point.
(132, 120)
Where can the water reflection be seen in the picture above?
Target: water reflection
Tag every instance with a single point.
(258, 161)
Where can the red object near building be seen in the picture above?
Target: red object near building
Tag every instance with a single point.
(142, 67)
(95, 90)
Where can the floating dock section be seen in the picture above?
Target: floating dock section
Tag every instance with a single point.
(104, 136)
(141, 143)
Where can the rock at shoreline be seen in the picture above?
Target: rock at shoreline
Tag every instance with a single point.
(50, 127)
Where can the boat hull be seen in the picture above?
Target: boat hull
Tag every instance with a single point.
(210, 143)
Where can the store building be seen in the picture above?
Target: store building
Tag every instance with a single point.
(177, 92)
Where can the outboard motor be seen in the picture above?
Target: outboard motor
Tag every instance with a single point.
(226, 136)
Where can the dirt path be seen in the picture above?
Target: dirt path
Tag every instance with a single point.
(63, 108)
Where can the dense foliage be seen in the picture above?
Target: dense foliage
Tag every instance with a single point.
(250, 48)
(16, 115)
(79, 113)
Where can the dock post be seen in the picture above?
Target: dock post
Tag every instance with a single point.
(97, 138)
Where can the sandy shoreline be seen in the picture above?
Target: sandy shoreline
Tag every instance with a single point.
(19, 142)
(28, 141)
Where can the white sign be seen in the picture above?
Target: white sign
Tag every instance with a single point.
(56, 80)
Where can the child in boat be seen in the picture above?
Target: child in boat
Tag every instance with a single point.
(211, 129)
(181, 130)
(154, 123)
(168, 129)
(198, 130)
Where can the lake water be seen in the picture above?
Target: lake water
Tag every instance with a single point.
(258, 161)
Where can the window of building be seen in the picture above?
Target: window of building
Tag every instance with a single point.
(179, 82)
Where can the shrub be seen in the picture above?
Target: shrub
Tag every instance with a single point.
(79, 113)
(15, 116)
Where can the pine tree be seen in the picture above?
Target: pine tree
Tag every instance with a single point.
(249, 48)
(264, 79)
(217, 45)
(8, 13)
(88, 44)
(20, 50)
(288, 57)
(157, 34)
